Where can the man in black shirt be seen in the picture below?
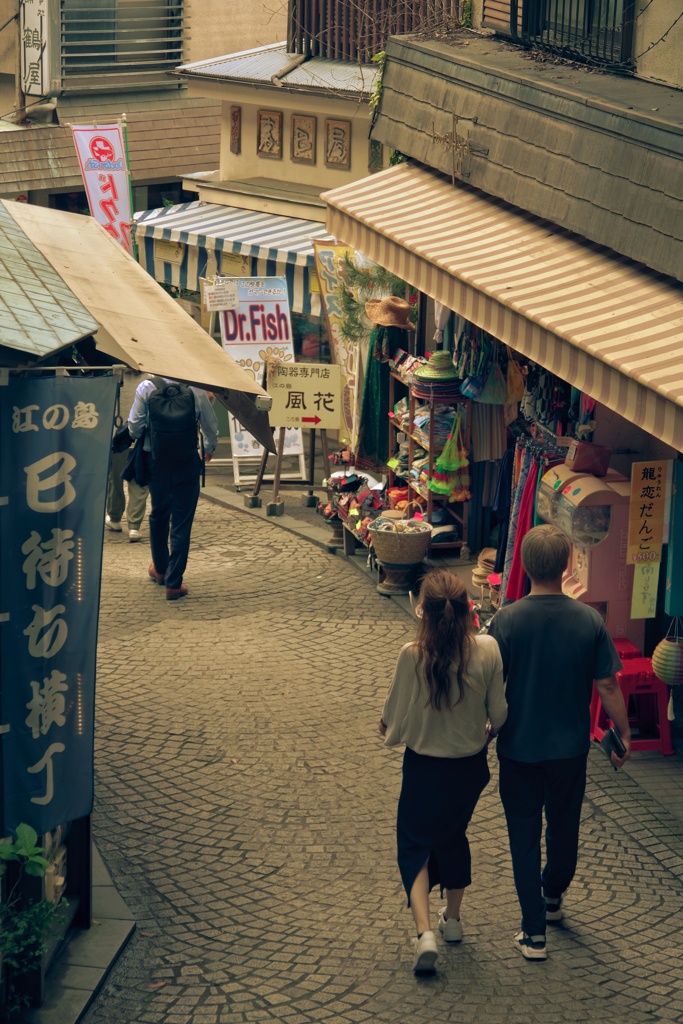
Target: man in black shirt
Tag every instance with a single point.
(553, 647)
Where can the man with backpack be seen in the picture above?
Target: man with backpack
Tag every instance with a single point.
(168, 414)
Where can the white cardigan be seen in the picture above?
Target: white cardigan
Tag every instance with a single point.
(458, 731)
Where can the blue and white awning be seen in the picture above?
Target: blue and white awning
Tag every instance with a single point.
(205, 234)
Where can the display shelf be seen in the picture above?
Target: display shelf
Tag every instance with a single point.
(458, 511)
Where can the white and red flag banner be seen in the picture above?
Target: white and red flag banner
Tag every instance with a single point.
(102, 156)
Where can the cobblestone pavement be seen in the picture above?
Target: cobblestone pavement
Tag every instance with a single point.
(245, 808)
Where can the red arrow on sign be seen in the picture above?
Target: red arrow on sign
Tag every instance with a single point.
(310, 419)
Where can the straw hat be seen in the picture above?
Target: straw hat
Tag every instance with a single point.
(389, 312)
(439, 367)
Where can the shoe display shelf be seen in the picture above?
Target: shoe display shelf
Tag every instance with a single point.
(418, 395)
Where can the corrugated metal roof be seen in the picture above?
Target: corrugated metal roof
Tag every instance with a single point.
(260, 65)
(39, 314)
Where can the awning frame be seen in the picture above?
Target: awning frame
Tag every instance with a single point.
(385, 218)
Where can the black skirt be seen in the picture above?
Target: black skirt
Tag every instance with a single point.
(437, 800)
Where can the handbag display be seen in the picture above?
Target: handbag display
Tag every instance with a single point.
(495, 390)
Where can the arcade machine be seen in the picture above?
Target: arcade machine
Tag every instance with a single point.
(593, 512)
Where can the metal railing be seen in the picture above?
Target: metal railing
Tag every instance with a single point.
(136, 38)
(359, 29)
(595, 31)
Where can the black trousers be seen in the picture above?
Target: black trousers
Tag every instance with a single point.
(174, 490)
(526, 790)
(437, 800)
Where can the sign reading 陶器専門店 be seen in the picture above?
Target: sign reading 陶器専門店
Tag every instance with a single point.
(305, 395)
(56, 437)
(257, 330)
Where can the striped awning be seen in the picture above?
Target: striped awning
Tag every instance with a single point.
(597, 320)
(272, 246)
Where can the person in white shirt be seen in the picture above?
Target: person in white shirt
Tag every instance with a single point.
(446, 698)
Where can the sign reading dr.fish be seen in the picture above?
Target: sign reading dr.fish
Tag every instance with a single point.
(257, 330)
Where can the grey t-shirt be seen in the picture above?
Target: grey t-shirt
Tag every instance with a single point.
(553, 647)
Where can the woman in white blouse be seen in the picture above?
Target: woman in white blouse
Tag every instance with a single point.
(446, 695)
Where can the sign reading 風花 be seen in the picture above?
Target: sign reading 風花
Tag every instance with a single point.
(56, 436)
(305, 395)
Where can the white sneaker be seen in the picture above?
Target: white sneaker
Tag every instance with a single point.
(112, 525)
(532, 947)
(134, 535)
(426, 953)
(450, 928)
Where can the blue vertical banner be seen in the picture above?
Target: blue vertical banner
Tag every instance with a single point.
(55, 437)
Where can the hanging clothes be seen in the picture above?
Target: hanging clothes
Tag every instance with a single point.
(501, 506)
(516, 584)
(525, 465)
(373, 446)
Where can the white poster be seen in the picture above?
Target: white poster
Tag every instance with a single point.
(258, 329)
(102, 156)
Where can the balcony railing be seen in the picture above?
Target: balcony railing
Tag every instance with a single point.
(358, 29)
(598, 32)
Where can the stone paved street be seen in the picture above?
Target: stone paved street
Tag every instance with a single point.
(245, 809)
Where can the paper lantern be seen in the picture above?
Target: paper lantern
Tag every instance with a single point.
(667, 661)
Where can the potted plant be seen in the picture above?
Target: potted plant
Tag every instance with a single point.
(25, 924)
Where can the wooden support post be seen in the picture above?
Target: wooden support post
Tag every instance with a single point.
(252, 500)
(275, 507)
(310, 500)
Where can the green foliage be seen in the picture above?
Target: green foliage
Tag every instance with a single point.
(357, 286)
(376, 96)
(26, 851)
(24, 926)
(397, 158)
(466, 16)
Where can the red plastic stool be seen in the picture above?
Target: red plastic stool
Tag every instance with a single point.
(647, 701)
(626, 651)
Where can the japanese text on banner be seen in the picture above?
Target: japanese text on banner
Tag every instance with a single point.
(53, 478)
(646, 512)
(102, 156)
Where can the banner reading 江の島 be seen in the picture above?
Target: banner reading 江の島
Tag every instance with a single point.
(55, 434)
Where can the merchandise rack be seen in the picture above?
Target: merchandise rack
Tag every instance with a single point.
(459, 511)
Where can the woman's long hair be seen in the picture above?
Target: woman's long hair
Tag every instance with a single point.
(444, 637)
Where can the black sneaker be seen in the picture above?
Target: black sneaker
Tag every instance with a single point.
(532, 947)
(553, 909)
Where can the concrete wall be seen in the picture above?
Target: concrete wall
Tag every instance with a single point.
(228, 26)
(663, 62)
(214, 27)
(8, 39)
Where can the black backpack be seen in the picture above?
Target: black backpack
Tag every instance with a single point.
(172, 422)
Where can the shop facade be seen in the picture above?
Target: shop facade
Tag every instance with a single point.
(545, 279)
(290, 127)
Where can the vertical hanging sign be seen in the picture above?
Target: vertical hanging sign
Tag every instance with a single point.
(647, 513)
(37, 38)
(102, 157)
(53, 479)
